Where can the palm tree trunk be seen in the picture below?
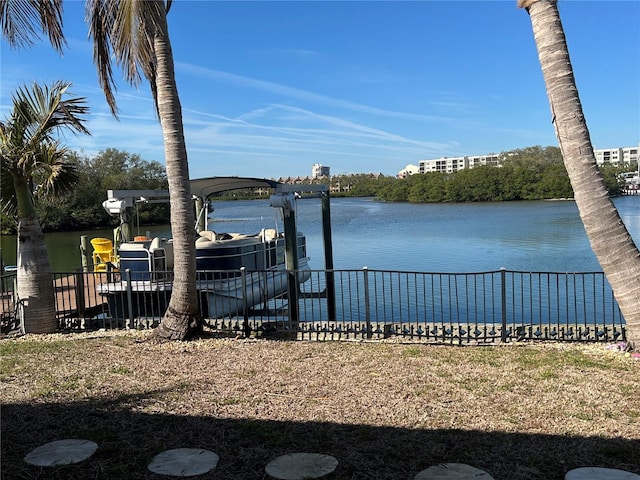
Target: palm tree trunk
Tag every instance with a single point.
(609, 238)
(34, 279)
(36, 300)
(182, 311)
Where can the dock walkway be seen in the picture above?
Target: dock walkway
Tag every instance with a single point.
(76, 296)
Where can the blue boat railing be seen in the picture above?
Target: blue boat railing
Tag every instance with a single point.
(485, 307)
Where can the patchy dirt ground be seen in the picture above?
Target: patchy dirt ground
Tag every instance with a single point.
(384, 410)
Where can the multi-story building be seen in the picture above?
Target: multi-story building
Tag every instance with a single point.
(453, 164)
(408, 170)
(617, 156)
(318, 170)
(613, 156)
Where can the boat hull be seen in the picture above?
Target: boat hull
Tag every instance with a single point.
(235, 272)
(234, 297)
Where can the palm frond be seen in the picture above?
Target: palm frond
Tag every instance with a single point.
(124, 30)
(43, 112)
(21, 21)
(29, 148)
(8, 202)
(99, 17)
(56, 176)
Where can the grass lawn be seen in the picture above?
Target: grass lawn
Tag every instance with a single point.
(384, 410)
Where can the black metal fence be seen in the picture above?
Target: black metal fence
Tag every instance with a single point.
(484, 307)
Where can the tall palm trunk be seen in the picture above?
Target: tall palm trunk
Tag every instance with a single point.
(36, 300)
(609, 238)
(183, 307)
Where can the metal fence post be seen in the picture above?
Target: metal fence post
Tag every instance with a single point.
(367, 309)
(127, 276)
(79, 291)
(503, 309)
(245, 308)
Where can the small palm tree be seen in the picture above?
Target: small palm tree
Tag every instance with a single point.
(609, 238)
(33, 164)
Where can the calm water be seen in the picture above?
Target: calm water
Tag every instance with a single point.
(530, 236)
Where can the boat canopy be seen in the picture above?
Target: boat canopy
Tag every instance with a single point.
(207, 187)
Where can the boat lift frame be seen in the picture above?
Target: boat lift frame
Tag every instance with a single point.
(121, 202)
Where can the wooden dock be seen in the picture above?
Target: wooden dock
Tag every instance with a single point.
(76, 296)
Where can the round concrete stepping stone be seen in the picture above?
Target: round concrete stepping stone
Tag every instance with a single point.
(61, 452)
(599, 473)
(184, 462)
(301, 466)
(453, 471)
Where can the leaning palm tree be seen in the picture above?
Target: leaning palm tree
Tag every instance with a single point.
(135, 34)
(613, 246)
(31, 155)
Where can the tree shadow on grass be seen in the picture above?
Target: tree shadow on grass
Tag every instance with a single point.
(128, 439)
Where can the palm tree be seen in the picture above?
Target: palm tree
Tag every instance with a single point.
(31, 154)
(135, 33)
(609, 238)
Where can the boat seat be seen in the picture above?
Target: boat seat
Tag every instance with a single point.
(268, 234)
(155, 243)
(161, 251)
(208, 235)
(132, 246)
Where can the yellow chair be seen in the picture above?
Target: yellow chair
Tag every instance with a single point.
(102, 254)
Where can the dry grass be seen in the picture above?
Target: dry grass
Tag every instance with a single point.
(385, 410)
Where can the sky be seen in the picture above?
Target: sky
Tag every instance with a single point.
(269, 88)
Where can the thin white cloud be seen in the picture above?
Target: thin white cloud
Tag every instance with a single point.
(298, 93)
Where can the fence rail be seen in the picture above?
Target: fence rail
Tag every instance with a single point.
(485, 307)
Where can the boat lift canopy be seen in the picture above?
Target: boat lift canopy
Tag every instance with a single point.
(119, 202)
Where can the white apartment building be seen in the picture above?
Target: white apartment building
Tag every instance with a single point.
(453, 164)
(614, 156)
(410, 169)
(318, 170)
(617, 156)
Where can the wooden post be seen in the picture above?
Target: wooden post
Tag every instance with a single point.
(84, 254)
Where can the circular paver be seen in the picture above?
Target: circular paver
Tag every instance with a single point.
(301, 466)
(453, 471)
(184, 462)
(61, 452)
(599, 473)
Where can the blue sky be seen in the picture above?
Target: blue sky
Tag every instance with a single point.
(270, 88)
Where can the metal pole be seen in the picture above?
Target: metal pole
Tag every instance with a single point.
(503, 295)
(245, 308)
(200, 214)
(80, 305)
(328, 255)
(367, 308)
(291, 260)
(127, 276)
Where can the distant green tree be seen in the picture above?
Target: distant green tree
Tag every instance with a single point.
(612, 179)
(427, 188)
(554, 183)
(111, 169)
